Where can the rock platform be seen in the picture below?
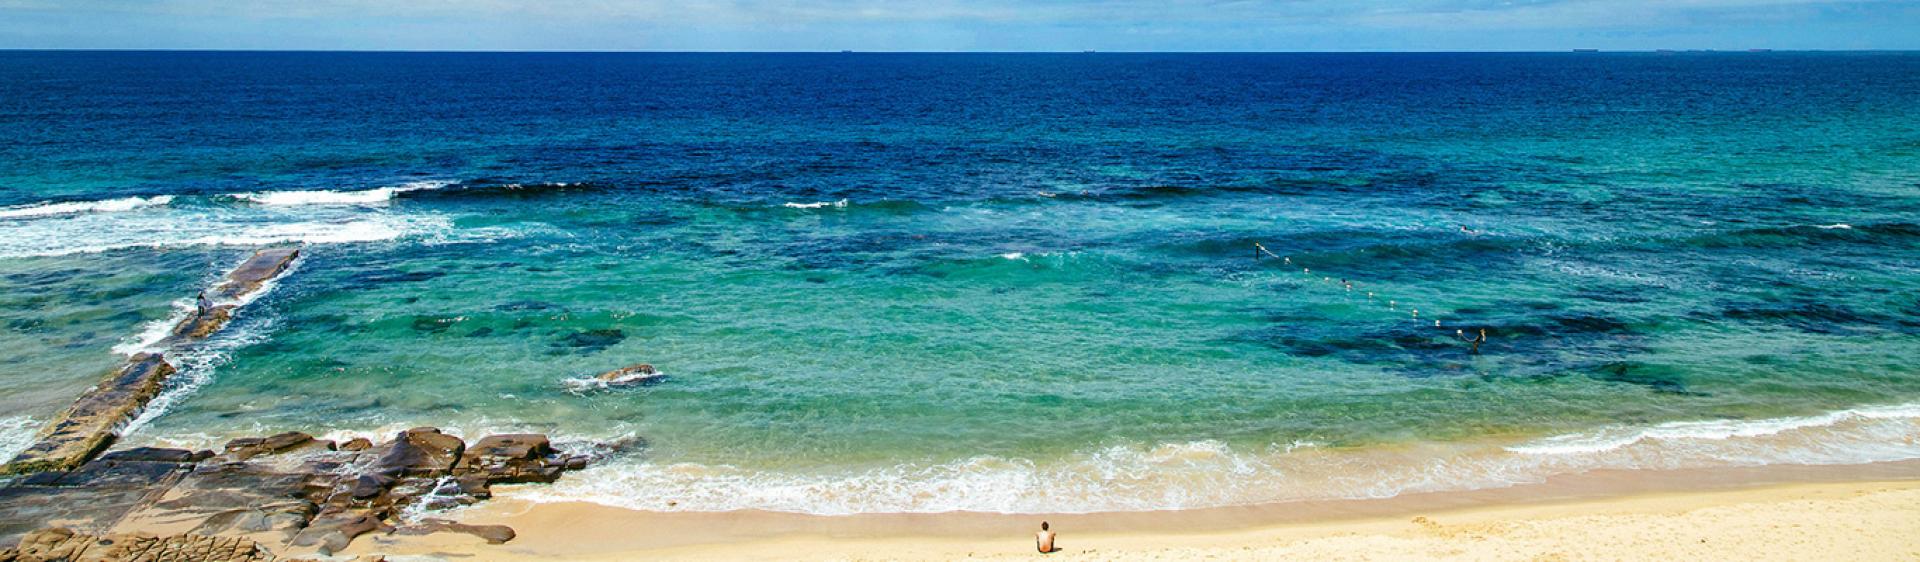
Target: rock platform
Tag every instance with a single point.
(264, 498)
(91, 423)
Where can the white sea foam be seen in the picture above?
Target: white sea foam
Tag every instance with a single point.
(150, 336)
(1210, 473)
(841, 204)
(1839, 226)
(1615, 438)
(16, 433)
(1014, 256)
(79, 207)
(377, 196)
(194, 366)
(174, 229)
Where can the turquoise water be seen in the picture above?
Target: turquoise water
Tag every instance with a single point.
(888, 295)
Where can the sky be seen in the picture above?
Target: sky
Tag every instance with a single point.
(952, 25)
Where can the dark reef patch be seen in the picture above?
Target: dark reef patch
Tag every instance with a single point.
(385, 276)
(591, 341)
(1658, 378)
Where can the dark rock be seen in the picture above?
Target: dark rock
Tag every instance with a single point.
(517, 446)
(153, 454)
(249, 447)
(493, 534)
(367, 486)
(332, 532)
(356, 444)
(513, 459)
(419, 452)
(309, 493)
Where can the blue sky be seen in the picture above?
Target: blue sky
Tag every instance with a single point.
(951, 25)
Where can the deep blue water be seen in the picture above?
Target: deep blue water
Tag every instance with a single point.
(917, 282)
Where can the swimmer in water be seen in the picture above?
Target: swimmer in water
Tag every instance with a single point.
(1474, 342)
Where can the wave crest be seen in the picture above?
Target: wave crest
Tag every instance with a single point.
(377, 196)
(79, 207)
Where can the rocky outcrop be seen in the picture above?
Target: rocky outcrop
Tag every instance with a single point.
(240, 283)
(634, 375)
(255, 272)
(201, 325)
(287, 492)
(88, 425)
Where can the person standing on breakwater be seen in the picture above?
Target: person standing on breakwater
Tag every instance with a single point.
(1043, 539)
(201, 304)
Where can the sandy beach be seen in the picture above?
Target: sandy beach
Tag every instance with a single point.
(1774, 513)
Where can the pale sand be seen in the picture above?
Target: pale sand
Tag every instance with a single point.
(1584, 517)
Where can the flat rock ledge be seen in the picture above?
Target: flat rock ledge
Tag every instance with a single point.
(92, 422)
(88, 425)
(264, 498)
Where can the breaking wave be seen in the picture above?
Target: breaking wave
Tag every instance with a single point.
(841, 204)
(80, 207)
(377, 196)
(200, 230)
(1203, 474)
(1668, 434)
(16, 434)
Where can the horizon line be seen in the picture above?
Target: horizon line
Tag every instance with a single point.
(1570, 50)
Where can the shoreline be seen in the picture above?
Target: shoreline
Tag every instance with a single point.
(1873, 506)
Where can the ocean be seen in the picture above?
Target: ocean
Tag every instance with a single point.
(1017, 283)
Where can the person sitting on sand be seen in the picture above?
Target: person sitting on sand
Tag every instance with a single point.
(1043, 539)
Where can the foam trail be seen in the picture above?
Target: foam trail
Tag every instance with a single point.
(195, 366)
(148, 340)
(79, 207)
(378, 196)
(841, 204)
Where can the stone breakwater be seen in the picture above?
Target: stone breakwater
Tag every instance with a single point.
(92, 422)
(265, 498)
